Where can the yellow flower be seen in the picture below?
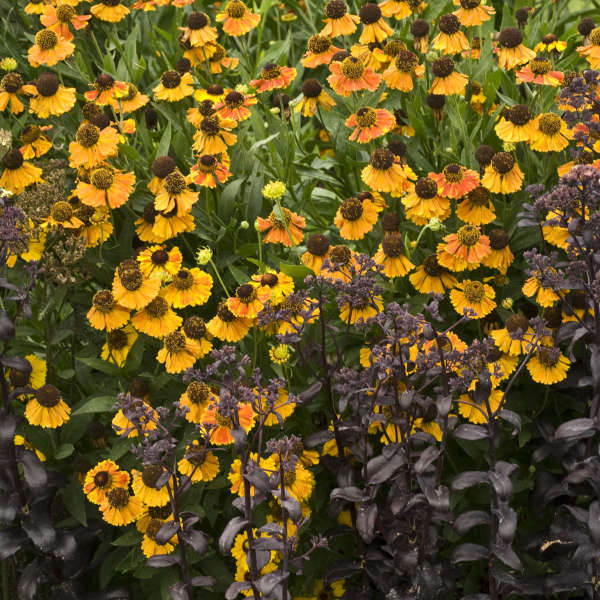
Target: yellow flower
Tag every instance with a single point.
(46, 408)
(274, 190)
(280, 354)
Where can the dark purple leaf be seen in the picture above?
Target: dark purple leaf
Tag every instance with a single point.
(11, 541)
(162, 480)
(231, 530)
(470, 432)
(7, 327)
(36, 524)
(381, 468)
(240, 439)
(307, 395)
(350, 493)
(469, 552)
(342, 571)
(366, 513)
(318, 438)
(234, 590)
(268, 543)
(267, 583)
(17, 363)
(163, 560)
(66, 547)
(9, 507)
(166, 532)
(197, 540)
(178, 591)
(113, 594)
(594, 521)
(507, 524)
(263, 557)
(575, 429)
(502, 484)
(469, 479)
(508, 556)
(259, 480)
(511, 417)
(8, 426)
(31, 577)
(470, 519)
(203, 581)
(438, 498)
(291, 505)
(33, 470)
(476, 597)
(428, 456)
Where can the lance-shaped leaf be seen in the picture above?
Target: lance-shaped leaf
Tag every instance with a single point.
(36, 524)
(259, 479)
(308, 394)
(267, 583)
(8, 426)
(203, 581)
(163, 560)
(511, 417)
(502, 485)
(508, 556)
(469, 553)
(231, 530)
(428, 456)
(469, 479)
(234, 590)
(33, 470)
(381, 468)
(576, 429)
(197, 540)
(29, 582)
(507, 523)
(17, 363)
(166, 532)
(365, 521)
(594, 521)
(349, 493)
(470, 432)
(11, 541)
(470, 519)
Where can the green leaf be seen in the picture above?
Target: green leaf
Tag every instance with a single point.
(238, 275)
(99, 364)
(75, 501)
(99, 404)
(63, 451)
(295, 271)
(131, 538)
(165, 142)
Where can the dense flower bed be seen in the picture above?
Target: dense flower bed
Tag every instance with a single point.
(299, 300)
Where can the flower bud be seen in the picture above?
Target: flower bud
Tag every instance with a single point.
(435, 224)
(244, 225)
(8, 64)
(274, 190)
(204, 255)
(507, 303)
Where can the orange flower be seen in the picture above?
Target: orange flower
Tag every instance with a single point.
(370, 123)
(391, 255)
(131, 289)
(221, 425)
(464, 249)
(375, 29)
(49, 97)
(319, 51)
(92, 145)
(179, 352)
(399, 75)
(592, 50)
(105, 314)
(423, 202)
(338, 21)
(475, 296)
(58, 19)
(517, 125)
(355, 218)
(111, 11)
(214, 135)
(477, 207)
(447, 81)
(35, 142)
(473, 13)
(455, 181)
(11, 86)
(450, 39)
(226, 326)
(278, 225)
(197, 30)
(107, 187)
(539, 71)
(189, 287)
(351, 75)
(209, 169)
(249, 300)
(383, 173)
(510, 51)
(237, 18)
(175, 194)
(130, 101)
(106, 90)
(174, 86)
(49, 49)
(235, 106)
(502, 175)
(273, 77)
(550, 133)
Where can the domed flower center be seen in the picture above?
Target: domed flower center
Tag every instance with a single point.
(369, 13)
(132, 92)
(170, 79)
(340, 255)
(64, 13)
(236, 9)
(479, 196)
(419, 28)
(87, 135)
(118, 497)
(46, 39)
(517, 322)
(198, 392)
(351, 209)
(595, 36)
(222, 421)
(311, 88)
(184, 280)
(432, 267)
(449, 24)
(294, 306)
(503, 162)
(102, 479)
(406, 61)
(210, 126)
(175, 342)
(130, 275)
(519, 115)
(246, 293)
(11, 82)
(318, 44)
(394, 47)
(218, 55)
(549, 124)
(426, 188)
(61, 211)
(317, 244)
(157, 308)
(540, 65)
(207, 163)
(150, 475)
(382, 159)
(335, 9)
(207, 108)
(152, 529)
(270, 71)
(105, 82)
(30, 134)
(162, 166)
(392, 245)
(225, 314)
(548, 356)
(159, 257)
(289, 477)
(269, 279)
(234, 99)
(102, 178)
(453, 173)
(18, 378)
(366, 117)
(352, 68)
(13, 159)
(468, 235)
(443, 67)
(390, 222)
(510, 37)
(498, 239)
(175, 183)
(103, 301)
(48, 396)
(470, 4)
(149, 213)
(160, 512)
(474, 291)
(197, 20)
(116, 339)
(194, 327)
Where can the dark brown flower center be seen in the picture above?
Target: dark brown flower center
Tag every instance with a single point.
(157, 308)
(340, 255)
(87, 135)
(453, 173)
(426, 188)
(311, 88)
(366, 117)
(468, 235)
(449, 24)
(317, 244)
(270, 71)
(352, 68)
(116, 339)
(406, 61)
(162, 166)
(103, 301)
(474, 291)
(150, 475)
(540, 65)
(13, 159)
(118, 497)
(30, 134)
(47, 84)
(207, 163)
(269, 279)
(197, 20)
(480, 196)
(159, 257)
(419, 28)
(335, 9)
(184, 280)
(64, 13)
(175, 183)
(225, 314)
(102, 479)
(382, 159)
(246, 293)
(390, 222)
(210, 126)
(394, 47)
(443, 67)
(369, 13)
(175, 342)
(519, 115)
(153, 527)
(170, 79)
(234, 99)
(549, 124)
(392, 245)
(61, 211)
(46, 39)
(432, 267)
(48, 396)
(498, 239)
(470, 4)
(194, 327)
(318, 44)
(351, 209)
(503, 162)
(149, 213)
(198, 392)
(206, 108)
(160, 512)
(516, 322)
(11, 82)
(102, 178)
(236, 9)
(548, 356)
(510, 37)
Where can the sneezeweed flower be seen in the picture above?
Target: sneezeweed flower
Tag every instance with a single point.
(58, 18)
(49, 49)
(62, 215)
(313, 97)
(391, 254)
(211, 169)
(464, 249)
(548, 365)
(158, 262)
(11, 85)
(170, 224)
(107, 187)
(50, 97)
(447, 81)
(36, 378)
(150, 547)
(146, 422)
(369, 124)
(35, 142)
(105, 314)
(474, 296)
(361, 308)
(118, 345)
(591, 50)
(46, 408)
(478, 413)
(106, 89)
(294, 307)
(194, 328)
(338, 21)
(249, 299)
(399, 75)
(105, 476)
(198, 464)
(476, 208)
(544, 295)
(273, 77)
(220, 424)
(539, 71)
(237, 18)
(189, 287)
(92, 145)
(214, 135)
(383, 173)
(550, 133)
(516, 125)
(111, 11)
(279, 223)
(280, 354)
(144, 487)
(236, 477)
(355, 218)
(161, 167)
(198, 30)
(450, 39)
(129, 101)
(174, 86)
(175, 194)
(119, 508)
(516, 337)
(455, 181)
(351, 75)
(502, 175)
(131, 289)
(274, 190)
(473, 13)
(178, 352)
(317, 250)
(419, 29)
(335, 589)
(18, 173)
(510, 51)
(226, 326)
(423, 202)
(235, 106)
(195, 399)
(375, 29)
(550, 43)
(156, 319)
(319, 51)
